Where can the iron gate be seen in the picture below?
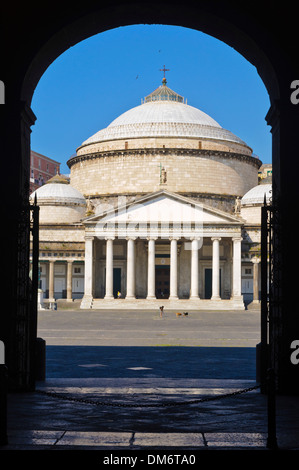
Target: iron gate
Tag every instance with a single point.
(271, 325)
(26, 297)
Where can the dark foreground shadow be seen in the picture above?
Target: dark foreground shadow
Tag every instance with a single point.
(147, 367)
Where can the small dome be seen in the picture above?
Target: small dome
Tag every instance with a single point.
(58, 192)
(59, 202)
(256, 195)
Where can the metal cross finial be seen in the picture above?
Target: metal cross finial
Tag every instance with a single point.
(164, 70)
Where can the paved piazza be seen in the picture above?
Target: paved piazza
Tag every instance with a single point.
(142, 344)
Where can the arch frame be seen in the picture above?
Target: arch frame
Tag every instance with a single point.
(35, 43)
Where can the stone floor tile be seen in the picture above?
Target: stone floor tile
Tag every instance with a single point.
(168, 439)
(34, 437)
(77, 438)
(235, 439)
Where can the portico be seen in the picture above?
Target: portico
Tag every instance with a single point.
(138, 245)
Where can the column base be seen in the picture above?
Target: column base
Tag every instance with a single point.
(172, 297)
(109, 297)
(238, 301)
(215, 297)
(86, 301)
(194, 297)
(151, 297)
(254, 305)
(69, 300)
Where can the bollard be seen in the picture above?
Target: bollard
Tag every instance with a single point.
(3, 404)
(271, 440)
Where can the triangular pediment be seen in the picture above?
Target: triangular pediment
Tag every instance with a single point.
(162, 207)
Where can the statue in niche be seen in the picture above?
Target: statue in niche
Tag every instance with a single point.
(89, 207)
(237, 205)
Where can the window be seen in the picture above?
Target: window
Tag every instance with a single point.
(247, 270)
(77, 270)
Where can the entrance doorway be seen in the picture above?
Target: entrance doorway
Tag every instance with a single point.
(208, 283)
(162, 282)
(116, 281)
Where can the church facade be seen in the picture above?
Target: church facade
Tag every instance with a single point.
(162, 208)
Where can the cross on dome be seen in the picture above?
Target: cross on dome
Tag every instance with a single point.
(164, 78)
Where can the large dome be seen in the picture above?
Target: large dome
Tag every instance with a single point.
(163, 113)
(164, 142)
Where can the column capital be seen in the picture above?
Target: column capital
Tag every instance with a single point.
(89, 237)
(131, 238)
(215, 239)
(109, 238)
(151, 238)
(237, 238)
(174, 238)
(255, 260)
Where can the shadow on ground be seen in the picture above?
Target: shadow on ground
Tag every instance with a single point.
(162, 361)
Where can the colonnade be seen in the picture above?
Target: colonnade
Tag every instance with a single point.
(151, 287)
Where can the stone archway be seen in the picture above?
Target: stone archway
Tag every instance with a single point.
(37, 36)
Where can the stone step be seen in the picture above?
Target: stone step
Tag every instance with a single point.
(181, 305)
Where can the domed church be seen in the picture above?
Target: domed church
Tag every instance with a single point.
(162, 207)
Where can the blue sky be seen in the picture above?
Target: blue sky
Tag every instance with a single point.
(98, 79)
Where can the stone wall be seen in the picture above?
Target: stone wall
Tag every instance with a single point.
(252, 214)
(61, 233)
(130, 173)
(61, 213)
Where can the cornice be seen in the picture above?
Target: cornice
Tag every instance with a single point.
(166, 151)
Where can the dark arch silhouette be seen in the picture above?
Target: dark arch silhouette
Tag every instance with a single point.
(34, 35)
(91, 23)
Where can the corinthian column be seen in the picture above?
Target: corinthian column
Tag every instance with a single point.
(69, 280)
(194, 269)
(215, 269)
(151, 285)
(130, 268)
(173, 268)
(51, 281)
(88, 269)
(237, 267)
(255, 262)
